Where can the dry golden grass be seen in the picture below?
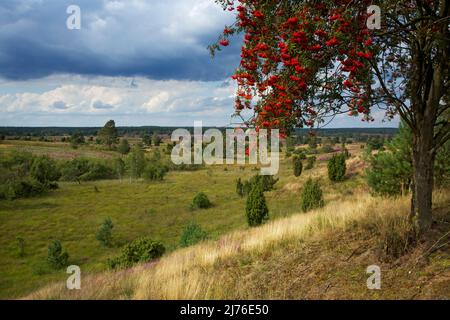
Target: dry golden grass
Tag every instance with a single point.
(195, 272)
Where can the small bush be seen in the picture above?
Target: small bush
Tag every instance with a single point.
(298, 167)
(337, 167)
(256, 208)
(192, 234)
(98, 171)
(267, 182)
(124, 146)
(154, 172)
(201, 201)
(139, 251)
(21, 188)
(300, 154)
(73, 170)
(311, 196)
(56, 258)
(104, 235)
(44, 170)
(247, 187)
(310, 163)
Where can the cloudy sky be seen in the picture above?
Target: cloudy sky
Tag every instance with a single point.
(140, 62)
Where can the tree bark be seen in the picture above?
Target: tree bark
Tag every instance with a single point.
(423, 164)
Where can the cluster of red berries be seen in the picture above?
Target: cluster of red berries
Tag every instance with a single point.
(285, 50)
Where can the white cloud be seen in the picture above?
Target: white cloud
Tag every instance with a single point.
(61, 95)
(78, 101)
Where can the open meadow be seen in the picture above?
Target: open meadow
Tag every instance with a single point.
(74, 212)
(352, 223)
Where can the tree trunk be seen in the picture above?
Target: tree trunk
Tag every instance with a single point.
(423, 164)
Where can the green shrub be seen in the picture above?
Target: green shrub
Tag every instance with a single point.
(44, 170)
(21, 188)
(267, 182)
(247, 187)
(73, 170)
(98, 171)
(136, 161)
(298, 166)
(155, 171)
(300, 154)
(388, 174)
(147, 140)
(391, 172)
(375, 143)
(311, 196)
(139, 251)
(310, 163)
(192, 234)
(256, 208)
(124, 146)
(81, 169)
(337, 167)
(201, 201)
(104, 234)
(56, 258)
(77, 138)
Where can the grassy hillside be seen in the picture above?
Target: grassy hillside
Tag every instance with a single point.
(322, 254)
(237, 262)
(74, 213)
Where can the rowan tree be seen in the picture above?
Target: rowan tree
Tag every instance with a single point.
(305, 61)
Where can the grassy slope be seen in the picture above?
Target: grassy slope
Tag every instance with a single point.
(323, 254)
(73, 214)
(268, 262)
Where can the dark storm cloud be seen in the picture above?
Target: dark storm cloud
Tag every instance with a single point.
(157, 39)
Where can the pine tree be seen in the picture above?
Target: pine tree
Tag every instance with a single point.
(310, 163)
(104, 235)
(124, 146)
(201, 201)
(311, 196)
(56, 257)
(298, 166)
(108, 134)
(192, 234)
(337, 167)
(256, 208)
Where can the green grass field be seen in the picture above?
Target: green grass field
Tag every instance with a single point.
(74, 212)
